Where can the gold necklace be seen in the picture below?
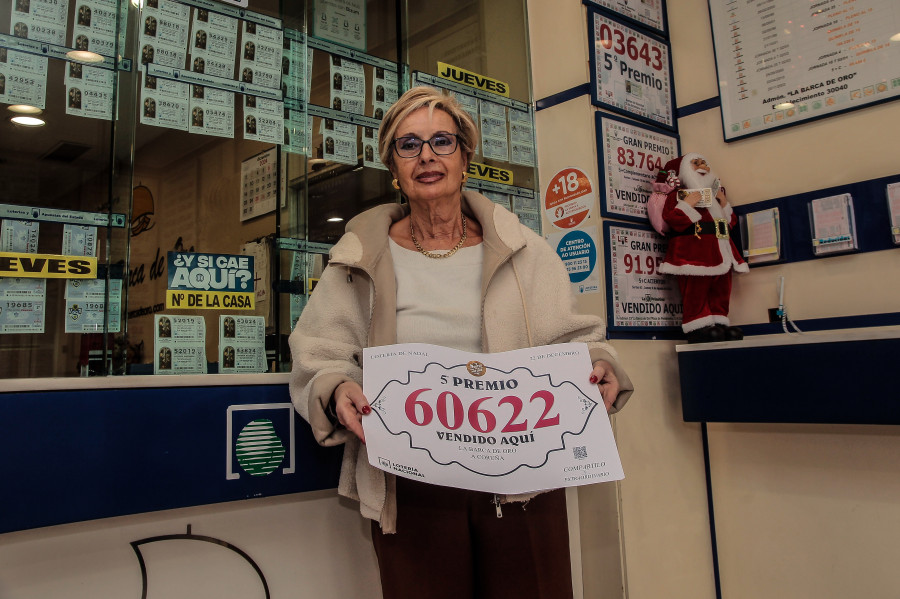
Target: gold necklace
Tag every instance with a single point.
(425, 252)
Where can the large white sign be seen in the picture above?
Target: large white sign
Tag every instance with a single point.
(631, 71)
(781, 63)
(639, 296)
(512, 422)
(630, 155)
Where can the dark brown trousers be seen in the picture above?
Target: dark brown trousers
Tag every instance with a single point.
(451, 544)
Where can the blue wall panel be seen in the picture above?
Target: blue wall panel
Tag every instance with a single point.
(69, 456)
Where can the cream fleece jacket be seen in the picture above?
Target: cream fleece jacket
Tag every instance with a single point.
(526, 301)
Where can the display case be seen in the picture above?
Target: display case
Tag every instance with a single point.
(172, 201)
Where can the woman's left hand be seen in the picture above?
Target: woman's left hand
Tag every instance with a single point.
(604, 377)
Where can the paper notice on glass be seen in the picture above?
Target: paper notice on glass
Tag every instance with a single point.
(22, 316)
(341, 21)
(470, 105)
(87, 306)
(494, 139)
(263, 120)
(242, 344)
(370, 149)
(23, 288)
(89, 316)
(93, 289)
(763, 237)
(521, 137)
(164, 33)
(339, 141)
(348, 85)
(213, 112)
(893, 198)
(530, 220)
(384, 91)
(528, 203)
(21, 236)
(214, 40)
(79, 240)
(513, 422)
(41, 20)
(296, 63)
(833, 224)
(498, 198)
(24, 78)
(180, 343)
(166, 103)
(89, 91)
(94, 26)
(261, 54)
(297, 136)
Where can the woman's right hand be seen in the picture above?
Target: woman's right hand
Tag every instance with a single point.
(350, 405)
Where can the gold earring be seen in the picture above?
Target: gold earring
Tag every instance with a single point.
(465, 177)
(395, 184)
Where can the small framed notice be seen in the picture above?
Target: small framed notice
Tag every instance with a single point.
(629, 155)
(631, 71)
(833, 224)
(893, 200)
(647, 13)
(761, 236)
(638, 297)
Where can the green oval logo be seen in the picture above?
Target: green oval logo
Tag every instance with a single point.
(258, 449)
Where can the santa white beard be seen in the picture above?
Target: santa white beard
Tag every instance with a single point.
(692, 179)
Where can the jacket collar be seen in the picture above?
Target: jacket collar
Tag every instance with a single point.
(366, 237)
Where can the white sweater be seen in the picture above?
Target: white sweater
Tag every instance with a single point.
(439, 300)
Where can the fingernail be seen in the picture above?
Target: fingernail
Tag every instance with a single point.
(365, 410)
(594, 378)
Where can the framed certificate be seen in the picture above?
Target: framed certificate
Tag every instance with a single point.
(831, 58)
(638, 297)
(629, 155)
(647, 13)
(631, 71)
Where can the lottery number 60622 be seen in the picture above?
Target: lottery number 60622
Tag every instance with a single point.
(452, 415)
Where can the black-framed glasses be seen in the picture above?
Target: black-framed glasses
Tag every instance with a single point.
(411, 146)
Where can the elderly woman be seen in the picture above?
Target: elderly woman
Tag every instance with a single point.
(449, 268)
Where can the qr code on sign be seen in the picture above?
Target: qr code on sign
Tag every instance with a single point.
(580, 452)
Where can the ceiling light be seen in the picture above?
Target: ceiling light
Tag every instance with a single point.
(24, 109)
(84, 56)
(335, 219)
(27, 121)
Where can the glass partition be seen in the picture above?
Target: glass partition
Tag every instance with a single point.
(174, 207)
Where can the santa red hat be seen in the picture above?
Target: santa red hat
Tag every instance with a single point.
(674, 165)
(684, 161)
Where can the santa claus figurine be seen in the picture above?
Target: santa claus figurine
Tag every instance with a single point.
(701, 252)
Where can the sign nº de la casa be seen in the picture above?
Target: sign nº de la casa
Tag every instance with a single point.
(210, 281)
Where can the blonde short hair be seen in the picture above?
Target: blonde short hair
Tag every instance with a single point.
(421, 97)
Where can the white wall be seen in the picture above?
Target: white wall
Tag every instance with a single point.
(307, 544)
(650, 532)
(801, 510)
